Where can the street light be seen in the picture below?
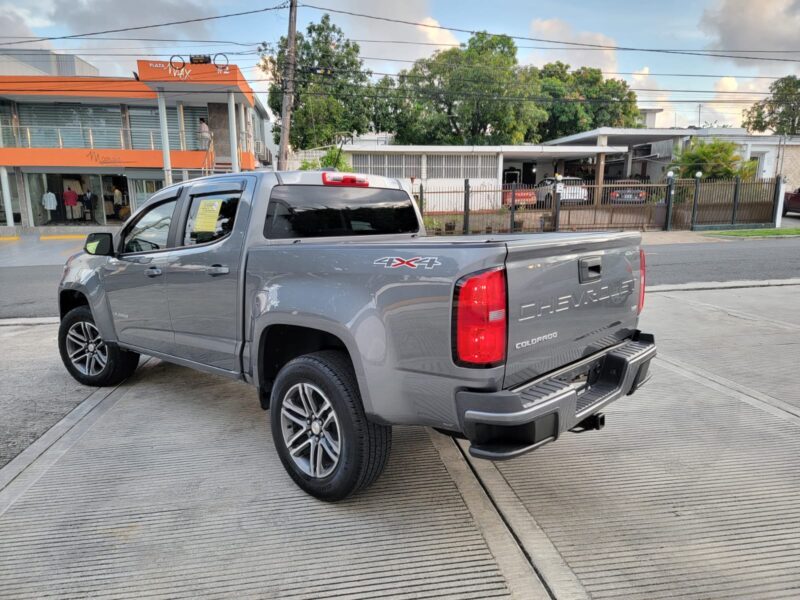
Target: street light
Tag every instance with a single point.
(699, 174)
(670, 174)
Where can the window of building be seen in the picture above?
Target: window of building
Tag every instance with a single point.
(145, 132)
(305, 211)
(461, 166)
(59, 125)
(401, 166)
(210, 219)
(151, 230)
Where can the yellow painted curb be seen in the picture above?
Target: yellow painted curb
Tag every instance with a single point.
(63, 236)
(9, 238)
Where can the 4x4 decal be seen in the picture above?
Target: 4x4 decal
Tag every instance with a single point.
(394, 262)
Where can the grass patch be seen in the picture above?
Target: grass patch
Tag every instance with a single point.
(759, 232)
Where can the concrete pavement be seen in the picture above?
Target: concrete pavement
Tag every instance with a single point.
(170, 487)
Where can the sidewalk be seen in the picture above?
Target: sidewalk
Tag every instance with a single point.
(654, 238)
(170, 487)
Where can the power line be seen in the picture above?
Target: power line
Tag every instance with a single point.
(28, 39)
(437, 93)
(548, 41)
(140, 27)
(601, 48)
(307, 79)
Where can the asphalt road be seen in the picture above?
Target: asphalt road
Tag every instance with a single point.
(740, 259)
(30, 291)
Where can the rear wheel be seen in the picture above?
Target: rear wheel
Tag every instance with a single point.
(322, 435)
(88, 358)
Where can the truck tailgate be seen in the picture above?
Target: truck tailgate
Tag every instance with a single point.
(569, 296)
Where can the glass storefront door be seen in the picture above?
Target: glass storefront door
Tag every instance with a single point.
(47, 196)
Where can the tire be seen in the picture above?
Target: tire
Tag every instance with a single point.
(100, 364)
(324, 385)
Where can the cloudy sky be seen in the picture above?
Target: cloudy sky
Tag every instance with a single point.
(736, 27)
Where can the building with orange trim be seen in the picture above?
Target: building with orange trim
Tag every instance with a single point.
(120, 139)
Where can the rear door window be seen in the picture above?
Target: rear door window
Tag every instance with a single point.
(308, 211)
(210, 218)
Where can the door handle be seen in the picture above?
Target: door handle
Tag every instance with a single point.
(590, 269)
(215, 270)
(152, 272)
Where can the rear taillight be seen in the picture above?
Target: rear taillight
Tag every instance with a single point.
(348, 179)
(479, 318)
(642, 278)
(615, 194)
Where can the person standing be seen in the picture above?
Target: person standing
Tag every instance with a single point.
(71, 204)
(205, 134)
(117, 201)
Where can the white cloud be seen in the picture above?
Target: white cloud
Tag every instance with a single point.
(603, 59)
(417, 11)
(669, 117)
(15, 23)
(82, 16)
(761, 25)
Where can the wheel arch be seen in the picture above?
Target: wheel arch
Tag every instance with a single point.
(280, 342)
(69, 299)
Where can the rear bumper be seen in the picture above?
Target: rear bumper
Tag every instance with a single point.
(505, 424)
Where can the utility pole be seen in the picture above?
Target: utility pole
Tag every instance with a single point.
(288, 88)
(699, 108)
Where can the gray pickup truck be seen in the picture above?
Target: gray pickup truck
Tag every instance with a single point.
(322, 290)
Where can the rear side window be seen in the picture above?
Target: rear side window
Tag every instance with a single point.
(210, 218)
(308, 211)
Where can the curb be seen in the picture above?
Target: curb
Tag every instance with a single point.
(721, 285)
(25, 469)
(27, 321)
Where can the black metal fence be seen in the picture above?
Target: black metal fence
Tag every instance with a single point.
(673, 204)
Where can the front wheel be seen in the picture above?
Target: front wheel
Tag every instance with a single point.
(321, 433)
(88, 358)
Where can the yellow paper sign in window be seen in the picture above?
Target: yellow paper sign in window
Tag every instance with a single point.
(207, 215)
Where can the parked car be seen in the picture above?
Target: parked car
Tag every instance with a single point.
(322, 290)
(791, 202)
(572, 189)
(523, 197)
(625, 191)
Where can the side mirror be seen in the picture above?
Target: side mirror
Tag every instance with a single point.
(99, 244)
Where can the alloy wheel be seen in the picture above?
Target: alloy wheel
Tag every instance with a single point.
(311, 430)
(87, 352)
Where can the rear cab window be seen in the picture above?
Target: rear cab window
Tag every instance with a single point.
(311, 211)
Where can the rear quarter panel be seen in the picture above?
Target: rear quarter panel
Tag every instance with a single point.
(394, 320)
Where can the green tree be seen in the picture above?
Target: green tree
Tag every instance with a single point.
(582, 99)
(458, 96)
(780, 112)
(329, 85)
(716, 159)
(333, 158)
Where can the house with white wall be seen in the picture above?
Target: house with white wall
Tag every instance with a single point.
(651, 150)
(445, 168)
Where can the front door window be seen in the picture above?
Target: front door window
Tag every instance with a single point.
(151, 230)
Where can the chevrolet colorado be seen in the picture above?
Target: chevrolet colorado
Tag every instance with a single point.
(322, 290)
